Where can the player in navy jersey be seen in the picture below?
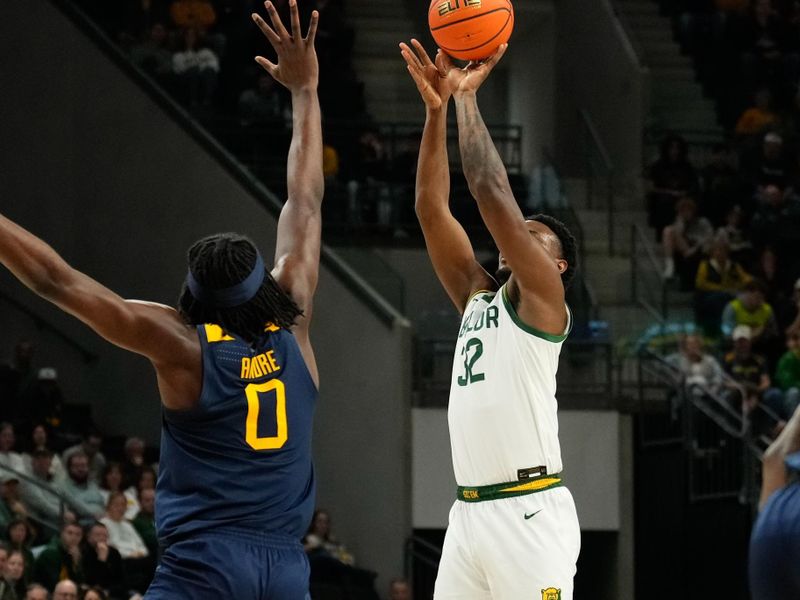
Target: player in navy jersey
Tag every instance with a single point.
(775, 541)
(235, 369)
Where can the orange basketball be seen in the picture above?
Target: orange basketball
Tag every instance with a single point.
(470, 29)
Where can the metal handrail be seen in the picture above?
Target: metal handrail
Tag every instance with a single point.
(631, 43)
(593, 141)
(45, 487)
(42, 323)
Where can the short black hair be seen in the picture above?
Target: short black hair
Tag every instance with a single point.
(224, 260)
(569, 246)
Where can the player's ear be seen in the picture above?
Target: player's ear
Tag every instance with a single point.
(562, 265)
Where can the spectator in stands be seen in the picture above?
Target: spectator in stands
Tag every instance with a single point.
(13, 584)
(134, 462)
(332, 564)
(197, 69)
(145, 521)
(264, 104)
(147, 479)
(718, 281)
(122, 535)
(697, 366)
(37, 592)
(11, 505)
(8, 457)
(138, 564)
(762, 41)
(19, 537)
(152, 55)
(193, 14)
(83, 494)
(40, 441)
(90, 447)
(102, 563)
(722, 186)
(400, 589)
(759, 118)
(769, 166)
(776, 220)
(671, 178)
(94, 593)
(366, 174)
(61, 559)
(320, 541)
(751, 374)
(733, 232)
(112, 481)
(787, 375)
(751, 308)
(42, 504)
(685, 242)
(65, 590)
(777, 281)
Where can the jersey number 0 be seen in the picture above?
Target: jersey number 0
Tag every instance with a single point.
(253, 392)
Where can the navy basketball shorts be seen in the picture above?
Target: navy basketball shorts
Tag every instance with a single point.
(774, 561)
(232, 564)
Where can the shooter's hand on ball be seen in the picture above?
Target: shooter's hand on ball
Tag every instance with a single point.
(433, 86)
(297, 67)
(468, 79)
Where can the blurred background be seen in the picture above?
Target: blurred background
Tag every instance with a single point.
(663, 133)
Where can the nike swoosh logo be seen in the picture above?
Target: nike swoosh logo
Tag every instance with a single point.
(530, 516)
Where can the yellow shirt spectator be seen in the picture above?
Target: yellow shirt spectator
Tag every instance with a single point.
(197, 14)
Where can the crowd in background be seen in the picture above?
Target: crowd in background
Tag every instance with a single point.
(730, 229)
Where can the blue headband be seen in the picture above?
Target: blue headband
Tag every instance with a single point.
(236, 295)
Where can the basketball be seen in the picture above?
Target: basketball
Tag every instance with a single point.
(470, 29)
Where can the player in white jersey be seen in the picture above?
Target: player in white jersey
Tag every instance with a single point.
(513, 531)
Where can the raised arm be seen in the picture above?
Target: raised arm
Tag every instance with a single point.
(536, 273)
(149, 329)
(448, 245)
(297, 249)
(774, 475)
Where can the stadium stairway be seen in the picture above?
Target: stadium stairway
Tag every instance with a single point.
(380, 26)
(677, 101)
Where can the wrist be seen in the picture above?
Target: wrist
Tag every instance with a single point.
(465, 95)
(305, 91)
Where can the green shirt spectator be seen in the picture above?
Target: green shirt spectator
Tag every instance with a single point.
(61, 559)
(145, 521)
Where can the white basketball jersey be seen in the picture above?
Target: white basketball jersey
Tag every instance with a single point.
(502, 410)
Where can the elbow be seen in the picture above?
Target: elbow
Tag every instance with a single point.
(51, 281)
(483, 186)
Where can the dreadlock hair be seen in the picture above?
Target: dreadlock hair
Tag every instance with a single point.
(224, 260)
(569, 246)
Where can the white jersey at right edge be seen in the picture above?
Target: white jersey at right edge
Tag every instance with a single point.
(502, 411)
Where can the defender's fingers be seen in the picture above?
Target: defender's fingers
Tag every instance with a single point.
(418, 78)
(409, 55)
(268, 66)
(276, 21)
(421, 52)
(312, 27)
(267, 30)
(294, 16)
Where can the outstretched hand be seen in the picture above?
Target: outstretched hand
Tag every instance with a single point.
(433, 86)
(468, 79)
(297, 67)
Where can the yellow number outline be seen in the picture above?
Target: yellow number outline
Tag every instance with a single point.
(254, 407)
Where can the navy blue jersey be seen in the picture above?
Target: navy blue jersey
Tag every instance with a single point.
(775, 543)
(242, 458)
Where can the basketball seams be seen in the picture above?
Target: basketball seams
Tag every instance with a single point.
(471, 17)
(489, 41)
